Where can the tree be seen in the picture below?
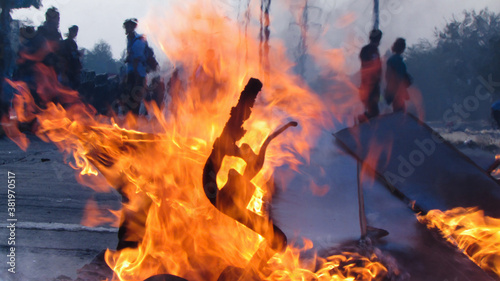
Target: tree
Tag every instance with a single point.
(447, 71)
(100, 59)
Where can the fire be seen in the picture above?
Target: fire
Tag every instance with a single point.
(346, 266)
(157, 164)
(470, 230)
(93, 216)
(494, 169)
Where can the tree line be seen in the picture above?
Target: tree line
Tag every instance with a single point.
(448, 70)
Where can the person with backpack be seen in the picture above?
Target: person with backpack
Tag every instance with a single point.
(140, 60)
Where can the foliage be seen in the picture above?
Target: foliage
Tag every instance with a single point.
(100, 59)
(447, 71)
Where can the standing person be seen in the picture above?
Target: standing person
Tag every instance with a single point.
(135, 80)
(495, 113)
(71, 65)
(38, 46)
(48, 38)
(371, 74)
(397, 78)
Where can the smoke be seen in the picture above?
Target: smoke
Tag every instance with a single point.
(345, 25)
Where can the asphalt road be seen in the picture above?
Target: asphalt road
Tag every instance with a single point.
(49, 203)
(50, 241)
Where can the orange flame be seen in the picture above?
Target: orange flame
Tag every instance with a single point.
(346, 266)
(473, 232)
(159, 168)
(93, 216)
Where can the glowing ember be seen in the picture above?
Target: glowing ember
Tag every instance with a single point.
(473, 232)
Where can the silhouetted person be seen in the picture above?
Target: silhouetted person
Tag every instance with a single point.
(70, 57)
(48, 38)
(135, 80)
(24, 67)
(40, 46)
(371, 74)
(397, 78)
(132, 224)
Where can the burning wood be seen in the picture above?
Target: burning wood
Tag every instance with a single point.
(169, 227)
(233, 198)
(472, 232)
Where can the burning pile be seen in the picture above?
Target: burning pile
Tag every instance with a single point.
(159, 169)
(183, 234)
(195, 193)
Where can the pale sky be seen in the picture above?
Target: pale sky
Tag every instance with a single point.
(412, 19)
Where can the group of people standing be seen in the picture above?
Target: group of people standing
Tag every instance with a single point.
(396, 77)
(45, 45)
(48, 47)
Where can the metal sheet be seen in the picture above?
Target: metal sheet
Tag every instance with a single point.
(320, 203)
(416, 162)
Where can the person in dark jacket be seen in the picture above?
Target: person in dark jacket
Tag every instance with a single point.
(48, 37)
(397, 78)
(36, 47)
(70, 56)
(371, 75)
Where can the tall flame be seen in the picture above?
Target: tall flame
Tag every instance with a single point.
(159, 168)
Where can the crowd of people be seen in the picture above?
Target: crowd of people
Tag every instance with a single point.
(397, 80)
(63, 56)
(45, 46)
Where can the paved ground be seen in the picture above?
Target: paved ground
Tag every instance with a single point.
(49, 205)
(51, 242)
